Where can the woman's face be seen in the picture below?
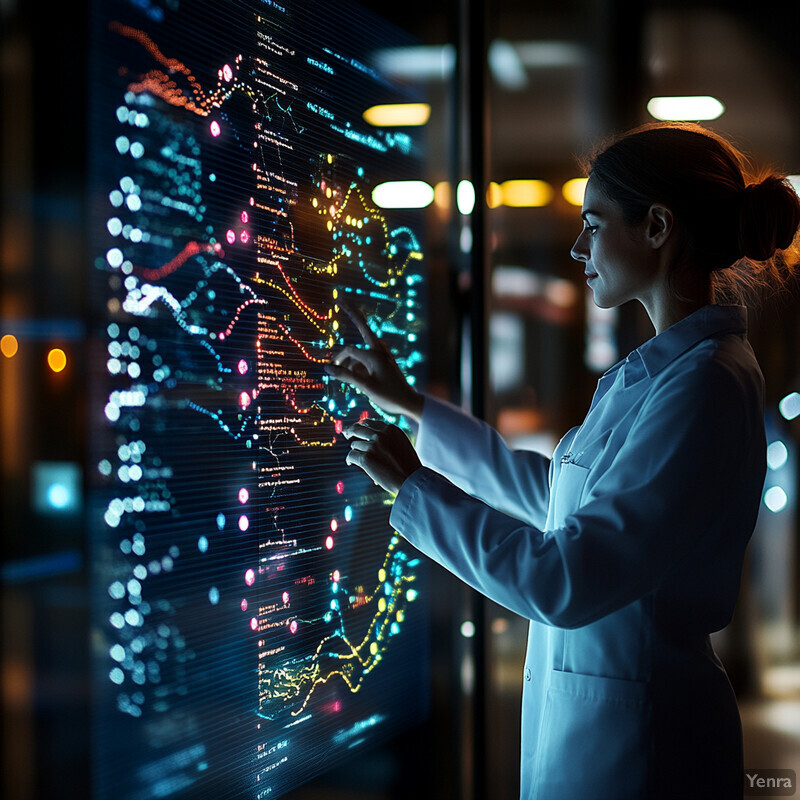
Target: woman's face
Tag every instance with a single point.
(617, 256)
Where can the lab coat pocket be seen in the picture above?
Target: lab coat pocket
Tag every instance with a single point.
(594, 740)
(569, 490)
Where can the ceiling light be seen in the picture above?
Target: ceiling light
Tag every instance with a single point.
(398, 114)
(685, 108)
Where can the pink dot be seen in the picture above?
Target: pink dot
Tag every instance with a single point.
(336, 575)
(227, 73)
(244, 523)
(329, 543)
(340, 487)
(337, 705)
(252, 201)
(242, 367)
(285, 598)
(250, 577)
(221, 336)
(337, 426)
(364, 415)
(215, 128)
(245, 217)
(293, 626)
(253, 624)
(244, 399)
(244, 495)
(334, 525)
(244, 604)
(231, 237)
(245, 236)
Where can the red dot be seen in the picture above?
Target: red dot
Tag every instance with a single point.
(245, 217)
(336, 575)
(215, 129)
(227, 72)
(329, 543)
(253, 624)
(337, 426)
(250, 577)
(245, 236)
(285, 598)
(364, 415)
(244, 604)
(230, 236)
(293, 626)
(244, 495)
(340, 487)
(242, 366)
(334, 525)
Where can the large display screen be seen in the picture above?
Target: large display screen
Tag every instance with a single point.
(255, 619)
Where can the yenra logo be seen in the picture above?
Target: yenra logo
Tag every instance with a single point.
(770, 782)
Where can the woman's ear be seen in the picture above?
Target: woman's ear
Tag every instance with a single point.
(660, 224)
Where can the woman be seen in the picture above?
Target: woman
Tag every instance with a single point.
(625, 549)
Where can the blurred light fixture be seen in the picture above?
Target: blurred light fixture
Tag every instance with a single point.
(465, 197)
(441, 195)
(573, 191)
(398, 114)
(526, 193)
(402, 194)
(794, 180)
(777, 454)
(9, 345)
(468, 629)
(494, 195)
(775, 499)
(505, 65)
(56, 487)
(423, 62)
(694, 107)
(790, 406)
(57, 359)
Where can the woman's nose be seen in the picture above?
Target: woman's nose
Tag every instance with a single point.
(578, 251)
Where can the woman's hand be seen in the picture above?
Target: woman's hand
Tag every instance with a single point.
(372, 370)
(383, 451)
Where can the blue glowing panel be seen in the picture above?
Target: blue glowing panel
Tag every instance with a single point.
(255, 619)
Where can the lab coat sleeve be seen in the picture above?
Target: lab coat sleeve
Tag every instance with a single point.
(683, 462)
(473, 456)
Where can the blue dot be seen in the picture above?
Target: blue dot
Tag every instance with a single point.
(220, 521)
(213, 595)
(202, 544)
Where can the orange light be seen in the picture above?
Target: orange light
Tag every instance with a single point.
(9, 345)
(57, 359)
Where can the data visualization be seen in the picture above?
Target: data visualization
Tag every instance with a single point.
(255, 619)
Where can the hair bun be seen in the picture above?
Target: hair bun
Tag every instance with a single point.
(769, 217)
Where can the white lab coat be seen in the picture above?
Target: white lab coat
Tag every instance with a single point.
(624, 551)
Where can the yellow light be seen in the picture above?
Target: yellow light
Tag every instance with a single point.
(398, 114)
(573, 191)
(526, 194)
(441, 195)
(57, 359)
(9, 345)
(402, 194)
(693, 107)
(494, 195)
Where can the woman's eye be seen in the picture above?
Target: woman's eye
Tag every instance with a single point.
(591, 228)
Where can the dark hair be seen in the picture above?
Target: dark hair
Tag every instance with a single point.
(726, 216)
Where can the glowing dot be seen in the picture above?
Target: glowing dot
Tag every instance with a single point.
(363, 415)
(348, 513)
(339, 487)
(243, 604)
(244, 523)
(336, 575)
(244, 495)
(777, 455)
(775, 499)
(215, 129)
(227, 73)
(202, 544)
(373, 648)
(293, 626)
(245, 217)
(285, 598)
(242, 367)
(9, 345)
(252, 201)
(468, 629)
(220, 521)
(114, 257)
(334, 525)
(230, 236)
(253, 624)
(244, 399)
(329, 543)
(57, 359)
(337, 426)
(411, 595)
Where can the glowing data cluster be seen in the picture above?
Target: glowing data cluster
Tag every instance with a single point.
(254, 609)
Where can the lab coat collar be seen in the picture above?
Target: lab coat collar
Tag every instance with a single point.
(652, 356)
